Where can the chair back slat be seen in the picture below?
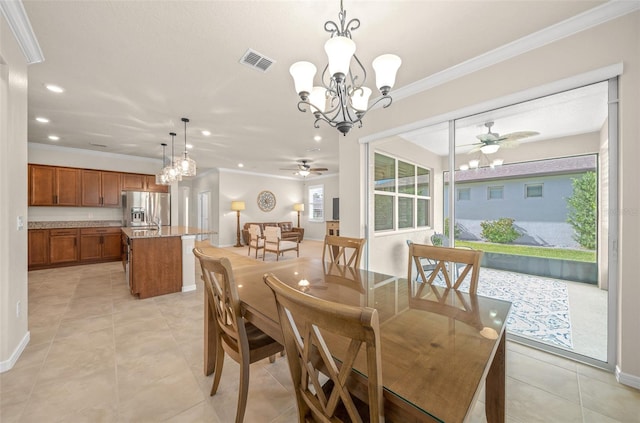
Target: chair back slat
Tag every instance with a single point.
(343, 250)
(306, 322)
(464, 262)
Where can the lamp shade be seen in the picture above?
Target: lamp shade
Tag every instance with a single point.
(386, 67)
(360, 99)
(237, 205)
(298, 207)
(303, 73)
(318, 98)
(339, 51)
(490, 148)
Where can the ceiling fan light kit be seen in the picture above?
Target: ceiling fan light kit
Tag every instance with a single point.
(304, 169)
(342, 100)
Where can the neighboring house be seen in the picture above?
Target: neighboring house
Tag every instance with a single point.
(534, 194)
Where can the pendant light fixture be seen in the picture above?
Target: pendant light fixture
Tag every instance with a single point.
(186, 165)
(160, 177)
(171, 171)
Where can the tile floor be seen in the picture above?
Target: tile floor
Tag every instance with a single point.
(99, 355)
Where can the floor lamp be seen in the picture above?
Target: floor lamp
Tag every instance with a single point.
(299, 207)
(237, 206)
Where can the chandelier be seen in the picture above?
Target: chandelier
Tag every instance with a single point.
(342, 100)
(186, 166)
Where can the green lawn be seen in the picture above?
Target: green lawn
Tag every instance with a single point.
(523, 250)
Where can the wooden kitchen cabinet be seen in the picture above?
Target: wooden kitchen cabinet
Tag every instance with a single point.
(139, 182)
(38, 247)
(101, 189)
(63, 246)
(54, 186)
(155, 266)
(100, 244)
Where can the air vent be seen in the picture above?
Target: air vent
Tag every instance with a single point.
(257, 61)
(97, 145)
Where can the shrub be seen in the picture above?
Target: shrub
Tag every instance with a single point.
(582, 210)
(500, 231)
(456, 229)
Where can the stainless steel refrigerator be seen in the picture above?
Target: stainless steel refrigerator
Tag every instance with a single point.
(146, 208)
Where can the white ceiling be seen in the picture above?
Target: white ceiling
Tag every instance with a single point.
(132, 69)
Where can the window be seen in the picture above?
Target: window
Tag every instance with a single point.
(402, 194)
(464, 194)
(533, 190)
(495, 193)
(316, 203)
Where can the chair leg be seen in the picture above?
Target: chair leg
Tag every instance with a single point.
(243, 390)
(272, 359)
(218, 368)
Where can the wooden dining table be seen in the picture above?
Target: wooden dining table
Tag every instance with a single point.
(439, 346)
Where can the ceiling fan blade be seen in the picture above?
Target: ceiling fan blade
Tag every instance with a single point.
(508, 143)
(468, 145)
(488, 137)
(318, 169)
(474, 149)
(286, 168)
(518, 135)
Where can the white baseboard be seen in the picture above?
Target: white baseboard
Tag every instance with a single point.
(8, 364)
(188, 288)
(626, 379)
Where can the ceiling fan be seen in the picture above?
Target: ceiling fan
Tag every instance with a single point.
(304, 169)
(492, 141)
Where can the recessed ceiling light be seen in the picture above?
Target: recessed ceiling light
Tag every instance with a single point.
(206, 133)
(317, 138)
(240, 165)
(54, 88)
(54, 137)
(42, 119)
(189, 146)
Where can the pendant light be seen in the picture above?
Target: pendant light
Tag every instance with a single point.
(187, 165)
(171, 171)
(160, 177)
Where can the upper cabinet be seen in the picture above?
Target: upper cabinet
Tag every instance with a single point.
(70, 187)
(138, 182)
(53, 186)
(101, 189)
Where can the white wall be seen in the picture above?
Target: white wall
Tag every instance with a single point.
(245, 186)
(614, 42)
(14, 334)
(317, 230)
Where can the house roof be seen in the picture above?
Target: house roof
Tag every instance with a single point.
(565, 165)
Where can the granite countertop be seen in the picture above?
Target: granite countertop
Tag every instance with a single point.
(151, 232)
(75, 224)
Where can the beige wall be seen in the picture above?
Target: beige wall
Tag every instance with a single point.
(611, 43)
(14, 333)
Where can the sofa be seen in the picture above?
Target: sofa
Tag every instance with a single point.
(289, 232)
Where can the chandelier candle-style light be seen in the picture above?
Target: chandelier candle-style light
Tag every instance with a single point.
(171, 171)
(186, 165)
(342, 100)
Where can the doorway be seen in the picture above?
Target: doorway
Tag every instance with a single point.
(203, 214)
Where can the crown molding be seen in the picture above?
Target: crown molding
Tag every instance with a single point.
(16, 16)
(578, 23)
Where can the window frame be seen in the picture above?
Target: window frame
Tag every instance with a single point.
(526, 190)
(313, 206)
(399, 195)
(493, 187)
(463, 189)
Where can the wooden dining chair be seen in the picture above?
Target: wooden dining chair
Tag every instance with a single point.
(256, 241)
(468, 259)
(273, 242)
(343, 250)
(306, 321)
(244, 342)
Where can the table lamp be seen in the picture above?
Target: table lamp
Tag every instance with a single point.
(299, 207)
(237, 206)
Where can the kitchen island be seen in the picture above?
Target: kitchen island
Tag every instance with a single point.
(160, 261)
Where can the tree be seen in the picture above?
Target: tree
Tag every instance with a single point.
(582, 210)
